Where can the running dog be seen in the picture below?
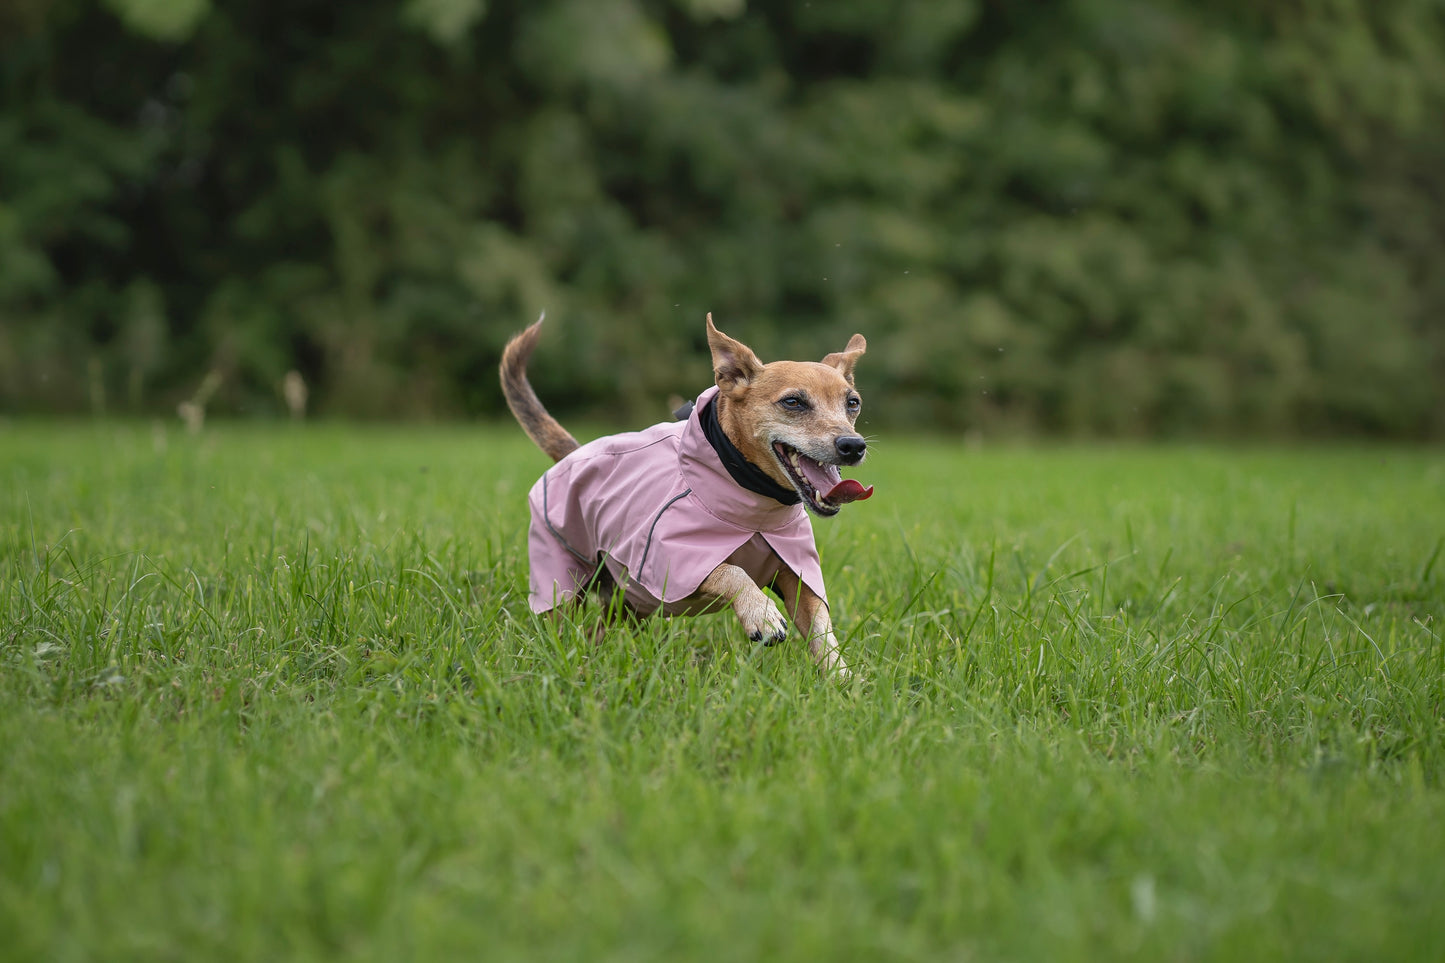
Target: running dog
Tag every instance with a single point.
(691, 516)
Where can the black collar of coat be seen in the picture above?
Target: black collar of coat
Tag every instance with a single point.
(744, 472)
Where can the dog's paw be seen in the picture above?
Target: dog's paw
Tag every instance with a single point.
(764, 622)
(826, 656)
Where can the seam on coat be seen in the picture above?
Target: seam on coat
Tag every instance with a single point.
(620, 451)
(647, 549)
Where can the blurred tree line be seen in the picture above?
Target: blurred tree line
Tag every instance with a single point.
(1076, 216)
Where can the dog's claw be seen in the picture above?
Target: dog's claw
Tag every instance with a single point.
(769, 638)
(773, 638)
(765, 623)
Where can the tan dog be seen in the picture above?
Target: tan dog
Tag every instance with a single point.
(691, 516)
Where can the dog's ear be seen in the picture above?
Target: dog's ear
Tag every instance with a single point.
(733, 363)
(845, 360)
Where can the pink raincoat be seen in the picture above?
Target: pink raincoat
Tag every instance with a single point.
(658, 508)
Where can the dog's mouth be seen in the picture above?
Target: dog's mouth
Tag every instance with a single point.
(823, 488)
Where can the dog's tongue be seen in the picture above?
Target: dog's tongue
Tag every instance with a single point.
(830, 483)
(848, 490)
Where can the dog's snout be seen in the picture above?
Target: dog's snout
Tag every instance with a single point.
(851, 447)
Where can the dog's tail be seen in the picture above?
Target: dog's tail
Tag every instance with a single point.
(541, 427)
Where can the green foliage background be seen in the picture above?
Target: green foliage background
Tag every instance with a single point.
(1081, 216)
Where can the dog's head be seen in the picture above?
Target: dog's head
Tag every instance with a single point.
(794, 419)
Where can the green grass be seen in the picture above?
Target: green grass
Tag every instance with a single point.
(274, 693)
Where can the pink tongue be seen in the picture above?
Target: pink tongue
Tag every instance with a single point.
(831, 484)
(848, 490)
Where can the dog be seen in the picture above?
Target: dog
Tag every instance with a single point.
(703, 513)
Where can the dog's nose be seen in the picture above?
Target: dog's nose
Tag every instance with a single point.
(851, 447)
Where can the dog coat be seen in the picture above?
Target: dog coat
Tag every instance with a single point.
(660, 510)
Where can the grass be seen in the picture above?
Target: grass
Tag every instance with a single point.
(274, 693)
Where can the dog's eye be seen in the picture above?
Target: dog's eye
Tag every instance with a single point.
(793, 403)
(854, 403)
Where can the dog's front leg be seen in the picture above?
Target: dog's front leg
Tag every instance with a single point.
(759, 615)
(810, 614)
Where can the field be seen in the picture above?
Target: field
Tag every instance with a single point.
(273, 692)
